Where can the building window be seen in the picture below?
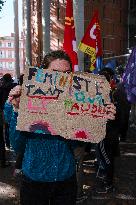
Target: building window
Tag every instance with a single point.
(13, 54)
(9, 54)
(9, 44)
(52, 2)
(20, 54)
(58, 10)
(58, 13)
(33, 31)
(10, 67)
(58, 43)
(33, 5)
(1, 65)
(21, 44)
(1, 54)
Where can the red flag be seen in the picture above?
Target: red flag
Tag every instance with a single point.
(91, 42)
(69, 44)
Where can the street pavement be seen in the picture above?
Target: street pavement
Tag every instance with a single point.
(124, 178)
(9, 187)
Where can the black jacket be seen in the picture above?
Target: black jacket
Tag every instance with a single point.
(5, 88)
(118, 97)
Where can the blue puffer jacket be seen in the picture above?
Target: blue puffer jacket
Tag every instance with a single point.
(47, 158)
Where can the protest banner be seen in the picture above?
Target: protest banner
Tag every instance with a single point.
(71, 105)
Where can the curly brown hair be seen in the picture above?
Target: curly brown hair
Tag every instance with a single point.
(53, 55)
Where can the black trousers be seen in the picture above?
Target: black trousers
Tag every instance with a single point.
(7, 141)
(19, 159)
(105, 156)
(2, 147)
(48, 193)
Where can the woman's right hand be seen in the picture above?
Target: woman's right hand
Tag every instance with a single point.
(14, 96)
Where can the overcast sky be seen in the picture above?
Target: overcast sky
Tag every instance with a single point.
(7, 18)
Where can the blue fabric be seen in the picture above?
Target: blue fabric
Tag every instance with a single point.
(99, 65)
(47, 158)
(111, 64)
(8, 112)
(129, 77)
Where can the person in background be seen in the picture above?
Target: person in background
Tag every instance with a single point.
(19, 156)
(6, 84)
(80, 154)
(2, 143)
(108, 148)
(120, 96)
(133, 116)
(49, 168)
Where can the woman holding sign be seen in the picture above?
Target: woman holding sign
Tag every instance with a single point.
(49, 170)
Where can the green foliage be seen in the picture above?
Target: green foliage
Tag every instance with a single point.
(1, 4)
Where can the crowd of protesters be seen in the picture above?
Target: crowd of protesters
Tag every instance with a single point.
(51, 166)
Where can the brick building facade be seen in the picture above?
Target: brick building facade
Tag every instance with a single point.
(113, 22)
(7, 55)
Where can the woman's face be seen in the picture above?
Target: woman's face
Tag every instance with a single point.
(59, 65)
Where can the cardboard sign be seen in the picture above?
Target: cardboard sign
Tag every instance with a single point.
(70, 105)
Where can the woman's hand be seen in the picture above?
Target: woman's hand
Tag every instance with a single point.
(14, 96)
(111, 111)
